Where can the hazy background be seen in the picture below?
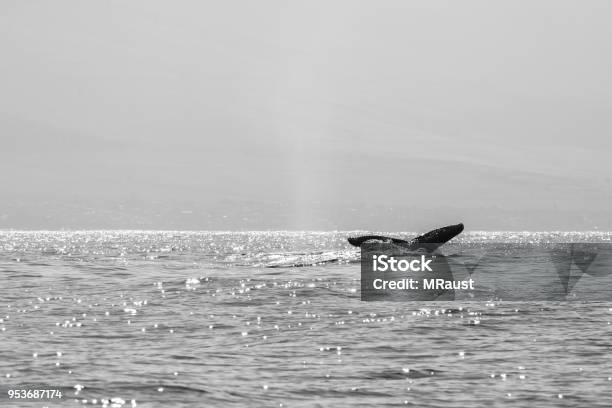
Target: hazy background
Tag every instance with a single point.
(312, 115)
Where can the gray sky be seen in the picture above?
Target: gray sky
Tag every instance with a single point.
(305, 115)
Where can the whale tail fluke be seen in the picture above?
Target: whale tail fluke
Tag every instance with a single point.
(358, 241)
(430, 240)
(439, 235)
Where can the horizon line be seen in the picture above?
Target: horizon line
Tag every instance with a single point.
(284, 231)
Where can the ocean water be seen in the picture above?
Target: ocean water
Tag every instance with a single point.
(271, 319)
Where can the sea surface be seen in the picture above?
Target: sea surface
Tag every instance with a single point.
(274, 319)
